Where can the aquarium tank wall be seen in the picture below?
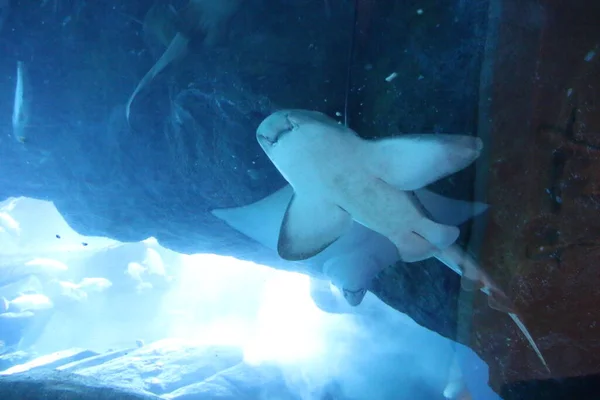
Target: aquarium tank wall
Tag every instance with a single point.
(299, 199)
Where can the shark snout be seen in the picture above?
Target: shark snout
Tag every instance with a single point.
(274, 127)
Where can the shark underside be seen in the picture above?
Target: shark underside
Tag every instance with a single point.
(339, 178)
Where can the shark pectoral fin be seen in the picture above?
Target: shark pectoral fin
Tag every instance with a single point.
(517, 320)
(410, 162)
(445, 210)
(309, 226)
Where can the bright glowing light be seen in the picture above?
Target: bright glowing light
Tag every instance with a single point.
(282, 323)
(267, 313)
(288, 326)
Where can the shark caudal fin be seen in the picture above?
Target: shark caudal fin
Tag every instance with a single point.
(527, 335)
(309, 226)
(410, 162)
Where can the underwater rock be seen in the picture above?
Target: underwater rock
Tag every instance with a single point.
(166, 365)
(185, 370)
(51, 384)
(9, 360)
(172, 368)
(94, 360)
(53, 360)
(192, 149)
(242, 381)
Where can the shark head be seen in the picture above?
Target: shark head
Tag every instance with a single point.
(272, 128)
(354, 297)
(353, 272)
(281, 124)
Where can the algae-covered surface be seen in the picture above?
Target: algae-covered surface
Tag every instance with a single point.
(542, 238)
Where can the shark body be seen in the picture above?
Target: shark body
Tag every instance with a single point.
(352, 261)
(338, 178)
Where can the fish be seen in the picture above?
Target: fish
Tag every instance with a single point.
(135, 271)
(44, 266)
(61, 290)
(8, 316)
(9, 204)
(20, 114)
(29, 283)
(26, 302)
(321, 160)
(94, 284)
(143, 286)
(339, 177)
(154, 263)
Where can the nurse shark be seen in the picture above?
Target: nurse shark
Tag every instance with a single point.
(338, 178)
(351, 262)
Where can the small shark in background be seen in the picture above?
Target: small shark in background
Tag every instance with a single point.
(20, 114)
(177, 27)
(338, 178)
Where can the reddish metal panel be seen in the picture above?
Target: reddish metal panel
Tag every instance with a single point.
(543, 236)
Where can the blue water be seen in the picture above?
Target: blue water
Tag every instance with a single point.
(140, 249)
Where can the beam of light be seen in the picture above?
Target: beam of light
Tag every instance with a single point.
(269, 313)
(289, 327)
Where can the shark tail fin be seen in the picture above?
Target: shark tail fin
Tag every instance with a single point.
(441, 236)
(517, 320)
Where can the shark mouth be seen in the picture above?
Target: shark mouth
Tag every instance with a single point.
(281, 130)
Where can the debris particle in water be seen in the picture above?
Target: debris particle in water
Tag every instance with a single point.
(57, 236)
(590, 55)
(391, 77)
